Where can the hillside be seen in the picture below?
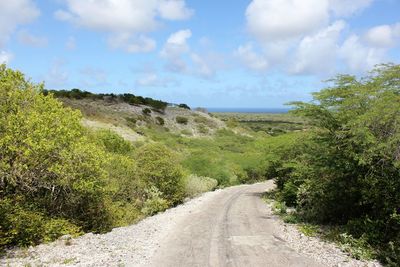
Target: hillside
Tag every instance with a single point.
(131, 121)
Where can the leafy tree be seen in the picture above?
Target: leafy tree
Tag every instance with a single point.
(349, 169)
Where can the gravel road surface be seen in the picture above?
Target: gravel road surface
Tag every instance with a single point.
(229, 227)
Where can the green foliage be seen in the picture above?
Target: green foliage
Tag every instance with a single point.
(347, 170)
(202, 129)
(160, 121)
(158, 167)
(154, 202)
(270, 123)
(146, 111)
(113, 142)
(22, 226)
(181, 120)
(127, 98)
(195, 185)
(200, 119)
(184, 106)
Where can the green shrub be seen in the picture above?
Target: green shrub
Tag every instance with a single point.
(200, 119)
(195, 185)
(154, 202)
(181, 120)
(113, 142)
(158, 166)
(22, 226)
(54, 228)
(19, 226)
(131, 122)
(47, 161)
(146, 111)
(160, 121)
(184, 106)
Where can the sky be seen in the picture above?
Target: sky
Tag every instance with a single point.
(225, 53)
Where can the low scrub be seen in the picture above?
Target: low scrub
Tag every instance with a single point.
(181, 120)
(195, 185)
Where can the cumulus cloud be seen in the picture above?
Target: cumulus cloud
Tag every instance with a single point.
(275, 20)
(359, 56)
(131, 43)
(174, 50)
(153, 80)
(202, 66)
(250, 58)
(318, 53)
(383, 35)
(174, 10)
(5, 57)
(27, 38)
(126, 20)
(15, 13)
(181, 59)
(302, 36)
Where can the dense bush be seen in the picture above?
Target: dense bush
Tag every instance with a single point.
(158, 167)
(181, 120)
(348, 171)
(160, 121)
(58, 178)
(195, 185)
(146, 111)
(184, 106)
(113, 142)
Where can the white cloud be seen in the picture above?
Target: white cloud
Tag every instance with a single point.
(27, 38)
(131, 44)
(383, 35)
(181, 59)
(318, 53)
(14, 13)
(276, 20)
(348, 7)
(179, 38)
(201, 66)
(295, 35)
(153, 80)
(5, 57)
(250, 58)
(359, 56)
(174, 10)
(126, 20)
(174, 50)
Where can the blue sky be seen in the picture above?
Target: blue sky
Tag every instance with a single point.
(253, 53)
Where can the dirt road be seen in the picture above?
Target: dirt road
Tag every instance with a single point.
(228, 227)
(234, 228)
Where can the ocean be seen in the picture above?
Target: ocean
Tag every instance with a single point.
(248, 110)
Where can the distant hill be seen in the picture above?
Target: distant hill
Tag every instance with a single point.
(131, 115)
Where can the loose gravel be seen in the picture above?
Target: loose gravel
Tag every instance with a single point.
(135, 245)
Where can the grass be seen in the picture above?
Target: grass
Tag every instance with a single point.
(270, 123)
